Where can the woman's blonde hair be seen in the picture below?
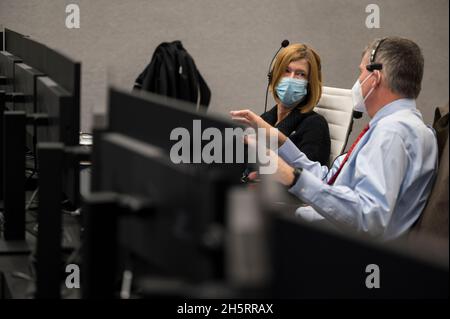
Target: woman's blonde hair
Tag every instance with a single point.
(295, 52)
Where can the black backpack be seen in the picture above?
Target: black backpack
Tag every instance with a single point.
(172, 72)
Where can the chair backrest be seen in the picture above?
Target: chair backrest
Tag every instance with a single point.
(336, 106)
(434, 218)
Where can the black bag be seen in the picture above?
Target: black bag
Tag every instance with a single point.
(172, 72)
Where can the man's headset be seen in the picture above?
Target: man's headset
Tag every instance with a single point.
(372, 66)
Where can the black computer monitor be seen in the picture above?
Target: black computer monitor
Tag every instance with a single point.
(314, 261)
(62, 71)
(7, 62)
(14, 42)
(58, 104)
(25, 82)
(151, 118)
(63, 126)
(67, 73)
(171, 241)
(13, 51)
(30, 51)
(63, 108)
(34, 54)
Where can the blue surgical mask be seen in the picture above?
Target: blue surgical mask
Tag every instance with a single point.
(291, 91)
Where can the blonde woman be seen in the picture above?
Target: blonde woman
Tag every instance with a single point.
(296, 86)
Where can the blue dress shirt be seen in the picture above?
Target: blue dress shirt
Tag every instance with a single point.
(384, 186)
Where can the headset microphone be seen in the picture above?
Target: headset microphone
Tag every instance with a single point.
(284, 44)
(357, 114)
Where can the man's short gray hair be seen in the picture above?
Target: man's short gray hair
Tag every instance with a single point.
(403, 63)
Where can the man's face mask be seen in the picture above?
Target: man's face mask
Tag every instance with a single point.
(359, 104)
(291, 91)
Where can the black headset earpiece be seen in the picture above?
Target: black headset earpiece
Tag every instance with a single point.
(284, 44)
(372, 66)
(269, 77)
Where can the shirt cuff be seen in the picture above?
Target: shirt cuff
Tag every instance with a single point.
(308, 187)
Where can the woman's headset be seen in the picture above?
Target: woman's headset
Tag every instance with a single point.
(284, 44)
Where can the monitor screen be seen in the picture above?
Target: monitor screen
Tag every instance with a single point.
(63, 126)
(14, 43)
(315, 262)
(64, 71)
(7, 61)
(25, 82)
(34, 54)
(171, 240)
(155, 119)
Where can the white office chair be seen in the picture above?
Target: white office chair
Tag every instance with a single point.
(336, 107)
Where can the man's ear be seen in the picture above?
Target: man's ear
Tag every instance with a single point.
(377, 76)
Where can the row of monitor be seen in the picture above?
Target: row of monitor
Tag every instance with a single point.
(184, 203)
(40, 80)
(39, 104)
(47, 79)
(169, 223)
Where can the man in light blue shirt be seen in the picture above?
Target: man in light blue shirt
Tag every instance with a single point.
(383, 186)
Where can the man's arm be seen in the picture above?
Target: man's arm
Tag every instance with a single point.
(367, 205)
(287, 149)
(296, 158)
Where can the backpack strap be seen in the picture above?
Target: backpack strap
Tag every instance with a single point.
(197, 84)
(205, 92)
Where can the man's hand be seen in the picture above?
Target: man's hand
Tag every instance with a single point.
(285, 173)
(249, 118)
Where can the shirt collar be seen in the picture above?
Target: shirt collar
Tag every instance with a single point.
(393, 107)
